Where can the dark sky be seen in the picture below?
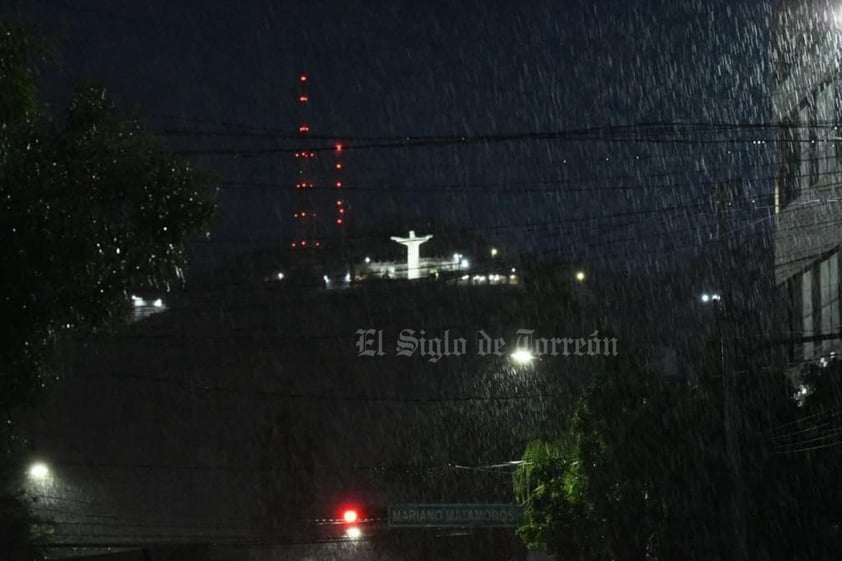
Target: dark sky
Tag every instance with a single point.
(398, 68)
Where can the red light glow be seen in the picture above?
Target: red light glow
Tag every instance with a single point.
(349, 516)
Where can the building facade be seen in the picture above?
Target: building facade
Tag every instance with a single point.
(807, 109)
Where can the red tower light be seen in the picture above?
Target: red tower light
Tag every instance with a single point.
(303, 128)
(339, 148)
(303, 98)
(303, 78)
(350, 515)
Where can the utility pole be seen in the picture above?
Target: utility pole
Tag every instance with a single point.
(724, 196)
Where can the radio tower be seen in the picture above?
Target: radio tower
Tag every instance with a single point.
(341, 207)
(306, 226)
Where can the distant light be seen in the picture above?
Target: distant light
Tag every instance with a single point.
(353, 533)
(493, 252)
(326, 279)
(465, 263)
(280, 276)
(347, 277)
(349, 516)
(339, 221)
(514, 270)
(158, 303)
(339, 148)
(368, 260)
(39, 471)
(138, 301)
(580, 276)
(338, 166)
(303, 99)
(523, 356)
(712, 297)
(303, 78)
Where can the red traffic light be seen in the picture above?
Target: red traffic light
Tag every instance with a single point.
(350, 516)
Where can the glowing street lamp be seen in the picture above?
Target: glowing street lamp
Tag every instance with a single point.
(353, 533)
(522, 356)
(580, 276)
(39, 471)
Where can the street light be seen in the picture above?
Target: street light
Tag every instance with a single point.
(522, 356)
(39, 471)
(493, 252)
(580, 276)
(353, 533)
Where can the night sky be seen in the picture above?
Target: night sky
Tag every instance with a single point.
(407, 69)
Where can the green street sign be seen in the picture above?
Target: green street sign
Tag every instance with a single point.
(454, 515)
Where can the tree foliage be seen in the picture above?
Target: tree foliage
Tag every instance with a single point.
(628, 475)
(90, 207)
(639, 470)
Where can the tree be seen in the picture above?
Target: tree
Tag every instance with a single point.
(630, 474)
(90, 207)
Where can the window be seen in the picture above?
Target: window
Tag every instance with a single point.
(807, 311)
(829, 300)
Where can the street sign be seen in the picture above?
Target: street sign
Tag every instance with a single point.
(454, 515)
